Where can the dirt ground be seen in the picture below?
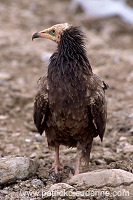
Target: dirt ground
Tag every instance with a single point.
(109, 44)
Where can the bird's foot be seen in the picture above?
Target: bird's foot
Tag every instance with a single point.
(70, 171)
(56, 167)
(71, 174)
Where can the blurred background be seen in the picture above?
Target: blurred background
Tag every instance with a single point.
(108, 26)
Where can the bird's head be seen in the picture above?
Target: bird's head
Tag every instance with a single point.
(53, 33)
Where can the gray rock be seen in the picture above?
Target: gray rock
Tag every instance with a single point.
(115, 183)
(103, 177)
(16, 168)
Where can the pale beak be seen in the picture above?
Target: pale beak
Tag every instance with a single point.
(42, 34)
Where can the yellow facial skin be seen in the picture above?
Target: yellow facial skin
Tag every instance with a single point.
(53, 33)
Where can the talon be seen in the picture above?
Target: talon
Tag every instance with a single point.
(58, 177)
(71, 171)
(56, 168)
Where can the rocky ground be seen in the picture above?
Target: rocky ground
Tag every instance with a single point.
(109, 44)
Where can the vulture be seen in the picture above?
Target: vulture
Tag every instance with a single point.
(70, 104)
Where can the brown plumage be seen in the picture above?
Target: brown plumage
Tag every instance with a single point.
(70, 103)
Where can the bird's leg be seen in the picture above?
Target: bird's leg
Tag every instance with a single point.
(83, 151)
(77, 167)
(56, 165)
(78, 161)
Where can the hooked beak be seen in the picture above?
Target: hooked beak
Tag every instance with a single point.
(41, 34)
(35, 35)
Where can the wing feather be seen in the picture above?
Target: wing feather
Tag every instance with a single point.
(41, 105)
(98, 106)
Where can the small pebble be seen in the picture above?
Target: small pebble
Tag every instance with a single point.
(128, 149)
(5, 76)
(131, 115)
(27, 140)
(122, 138)
(131, 130)
(116, 60)
(16, 186)
(2, 117)
(33, 155)
(100, 162)
(37, 183)
(38, 137)
(4, 191)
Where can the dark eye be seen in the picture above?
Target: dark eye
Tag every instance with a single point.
(52, 32)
